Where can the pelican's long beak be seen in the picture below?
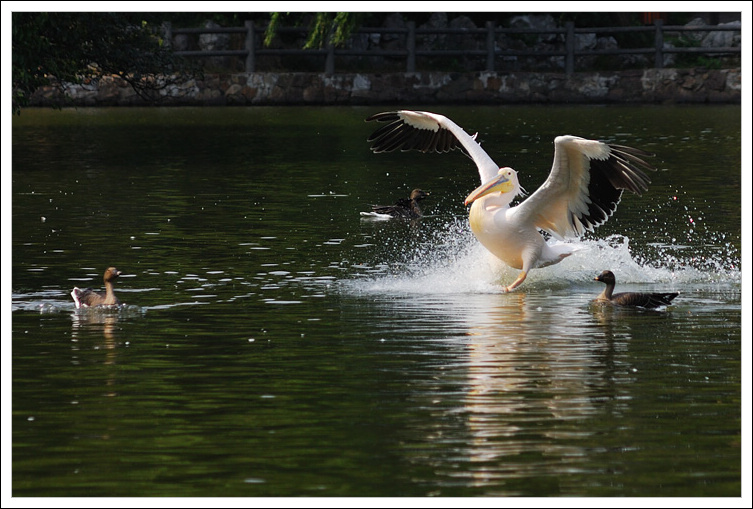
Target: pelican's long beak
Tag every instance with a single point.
(499, 183)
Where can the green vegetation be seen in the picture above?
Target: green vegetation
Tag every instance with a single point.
(327, 27)
(71, 47)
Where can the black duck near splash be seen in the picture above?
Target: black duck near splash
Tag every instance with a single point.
(631, 299)
(405, 208)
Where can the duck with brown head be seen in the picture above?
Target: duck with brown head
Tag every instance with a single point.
(631, 299)
(90, 298)
(405, 207)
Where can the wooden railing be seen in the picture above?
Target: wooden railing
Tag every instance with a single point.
(254, 49)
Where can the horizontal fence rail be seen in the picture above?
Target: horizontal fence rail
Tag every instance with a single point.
(253, 47)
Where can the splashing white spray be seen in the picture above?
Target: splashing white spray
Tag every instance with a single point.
(453, 262)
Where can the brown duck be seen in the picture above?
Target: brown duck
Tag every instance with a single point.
(89, 298)
(631, 299)
(405, 207)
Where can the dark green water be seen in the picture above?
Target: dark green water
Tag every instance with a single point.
(276, 343)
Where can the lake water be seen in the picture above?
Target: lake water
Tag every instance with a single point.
(277, 343)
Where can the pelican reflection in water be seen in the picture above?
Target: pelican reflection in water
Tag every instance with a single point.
(583, 188)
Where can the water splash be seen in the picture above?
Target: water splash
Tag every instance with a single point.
(451, 261)
(682, 239)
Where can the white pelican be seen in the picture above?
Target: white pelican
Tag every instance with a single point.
(583, 189)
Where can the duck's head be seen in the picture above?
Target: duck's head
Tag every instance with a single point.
(505, 182)
(418, 194)
(606, 277)
(111, 274)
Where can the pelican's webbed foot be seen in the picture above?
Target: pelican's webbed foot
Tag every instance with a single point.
(517, 282)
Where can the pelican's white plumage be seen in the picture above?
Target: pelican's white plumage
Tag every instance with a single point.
(583, 188)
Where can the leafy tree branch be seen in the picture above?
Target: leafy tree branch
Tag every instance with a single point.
(70, 47)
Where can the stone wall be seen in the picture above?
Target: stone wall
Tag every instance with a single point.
(638, 86)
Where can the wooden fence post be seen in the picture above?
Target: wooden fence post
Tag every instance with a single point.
(167, 28)
(490, 46)
(659, 43)
(329, 62)
(410, 45)
(250, 46)
(569, 47)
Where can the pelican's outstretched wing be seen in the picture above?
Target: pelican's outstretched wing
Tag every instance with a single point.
(585, 185)
(428, 132)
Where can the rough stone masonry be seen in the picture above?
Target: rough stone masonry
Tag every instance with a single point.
(696, 85)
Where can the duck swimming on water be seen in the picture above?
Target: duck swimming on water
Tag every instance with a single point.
(583, 189)
(89, 298)
(405, 207)
(631, 299)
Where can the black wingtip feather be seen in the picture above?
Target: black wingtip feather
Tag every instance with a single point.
(399, 135)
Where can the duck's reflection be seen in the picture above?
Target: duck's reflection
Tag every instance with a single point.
(90, 320)
(87, 320)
